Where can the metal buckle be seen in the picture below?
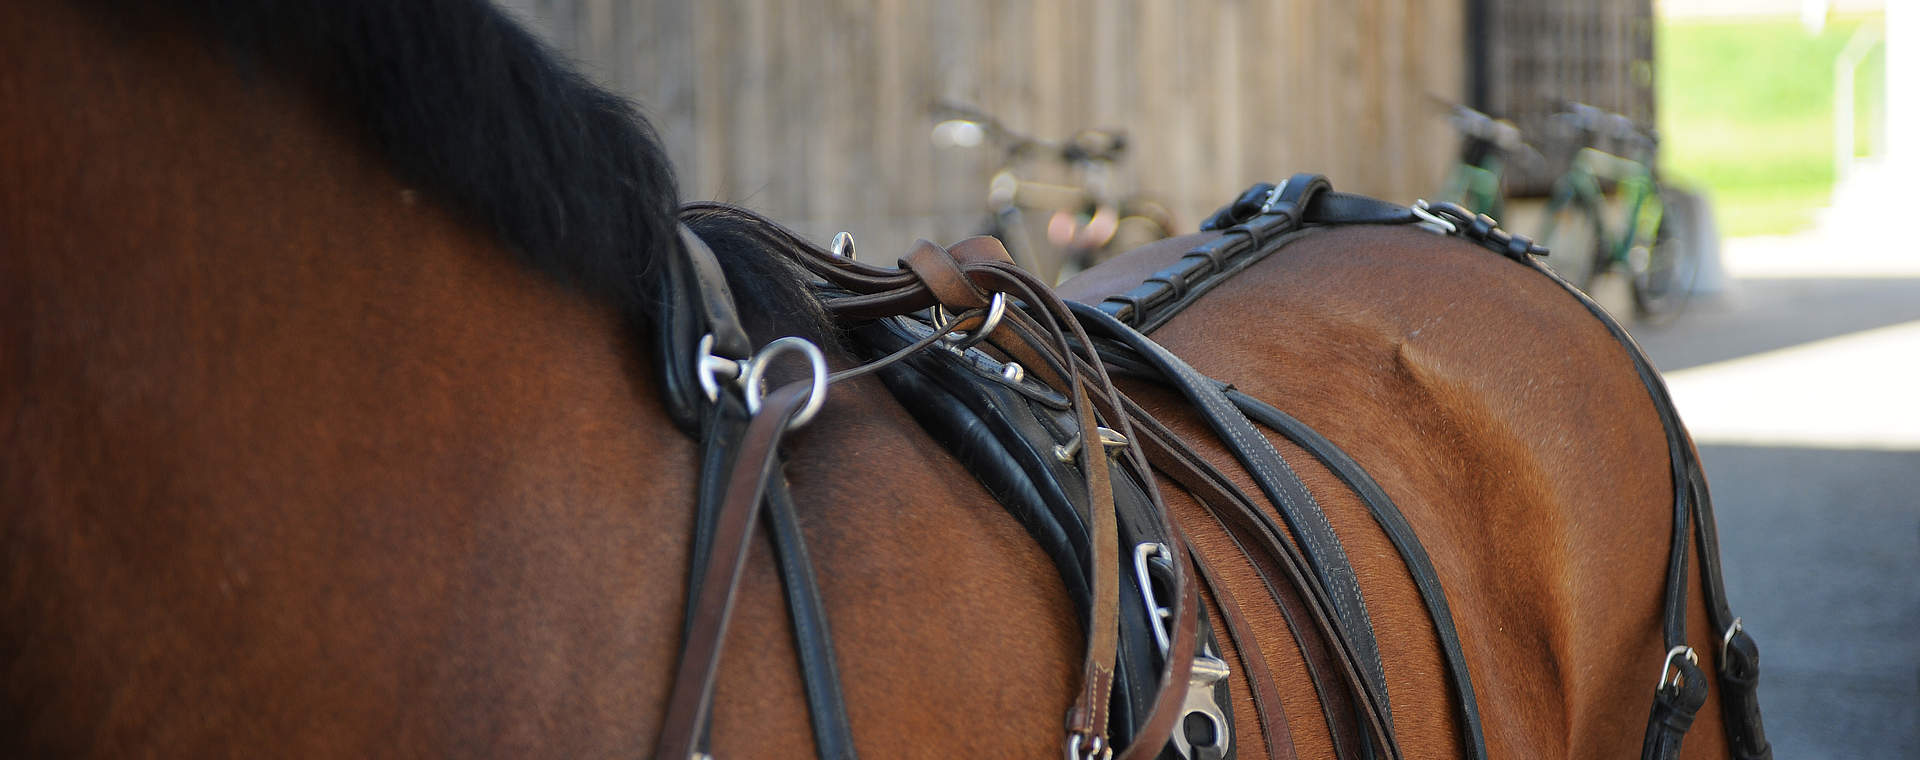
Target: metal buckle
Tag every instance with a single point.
(964, 339)
(1096, 747)
(1727, 641)
(1439, 224)
(751, 380)
(1667, 668)
(1109, 439)
(1155, 612)
(1273, 196)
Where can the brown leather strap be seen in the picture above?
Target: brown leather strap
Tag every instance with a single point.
(940, 271)
(1044, 332)
(1334, 673)
(1253, 665)
(1088, 717)
(692, 694)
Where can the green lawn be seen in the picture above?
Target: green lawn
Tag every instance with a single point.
(1746, 110)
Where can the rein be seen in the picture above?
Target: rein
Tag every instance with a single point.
(1032, 366)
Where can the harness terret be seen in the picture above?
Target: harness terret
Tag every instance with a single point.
(1016, 386)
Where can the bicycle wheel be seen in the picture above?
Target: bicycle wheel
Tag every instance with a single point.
(1663, 275)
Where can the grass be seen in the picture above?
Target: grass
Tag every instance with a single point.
(1746, 110)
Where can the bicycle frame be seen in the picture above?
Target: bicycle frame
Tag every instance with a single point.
(1581, 184)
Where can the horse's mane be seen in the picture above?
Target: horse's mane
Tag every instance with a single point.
(457, 98)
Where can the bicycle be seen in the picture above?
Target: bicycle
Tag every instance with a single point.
(1652, 242)
(1475, 179)
(1087, 222)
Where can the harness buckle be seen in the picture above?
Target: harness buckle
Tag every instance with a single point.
(1156, 613)
(1273, 196)
(1433, 221)
(1727, 641)
(1097, 748)
(1670, 675)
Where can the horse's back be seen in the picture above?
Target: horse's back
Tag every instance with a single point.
(1510, 429)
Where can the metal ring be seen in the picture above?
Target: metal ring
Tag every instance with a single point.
(1666, 666)
(1420, 209)
(1727, 641)
(842, 247)
(708, 367)
(757, 370)
(966, 338)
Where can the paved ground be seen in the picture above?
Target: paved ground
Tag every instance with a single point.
(1802, 384)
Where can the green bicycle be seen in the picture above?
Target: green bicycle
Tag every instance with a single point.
(1650, 244)
(1487, 144)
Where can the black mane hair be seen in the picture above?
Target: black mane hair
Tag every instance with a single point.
(457, 98)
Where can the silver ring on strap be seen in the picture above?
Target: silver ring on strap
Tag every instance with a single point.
(757, 369)
(1666, 666)
(963, 339)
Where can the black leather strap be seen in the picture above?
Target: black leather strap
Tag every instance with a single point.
(832, 731)
(1394, 524)
(696, 302)
(1281, 485)
(1674, 706)
(1739, 671)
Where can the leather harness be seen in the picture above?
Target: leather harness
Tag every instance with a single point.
(1017, 387)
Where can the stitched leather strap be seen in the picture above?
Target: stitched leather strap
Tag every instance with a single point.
(1282, 486)
(1394, 524)
(753, 465)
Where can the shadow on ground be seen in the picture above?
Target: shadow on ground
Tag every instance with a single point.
(1822, 553)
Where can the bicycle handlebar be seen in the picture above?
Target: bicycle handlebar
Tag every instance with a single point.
(1592, 122)
(1502, 133)
(1086, 146)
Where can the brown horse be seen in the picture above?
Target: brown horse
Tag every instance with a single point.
(333, 428)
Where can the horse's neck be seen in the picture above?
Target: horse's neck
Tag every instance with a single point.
(294, 453)
(284, 440)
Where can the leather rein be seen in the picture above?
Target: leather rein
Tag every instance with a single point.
(988, 312)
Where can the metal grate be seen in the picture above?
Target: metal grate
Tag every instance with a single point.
(1543, 52)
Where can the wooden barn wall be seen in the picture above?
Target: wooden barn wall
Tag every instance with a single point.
(817, 112)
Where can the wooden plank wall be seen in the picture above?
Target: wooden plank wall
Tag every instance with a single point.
(817, 111)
